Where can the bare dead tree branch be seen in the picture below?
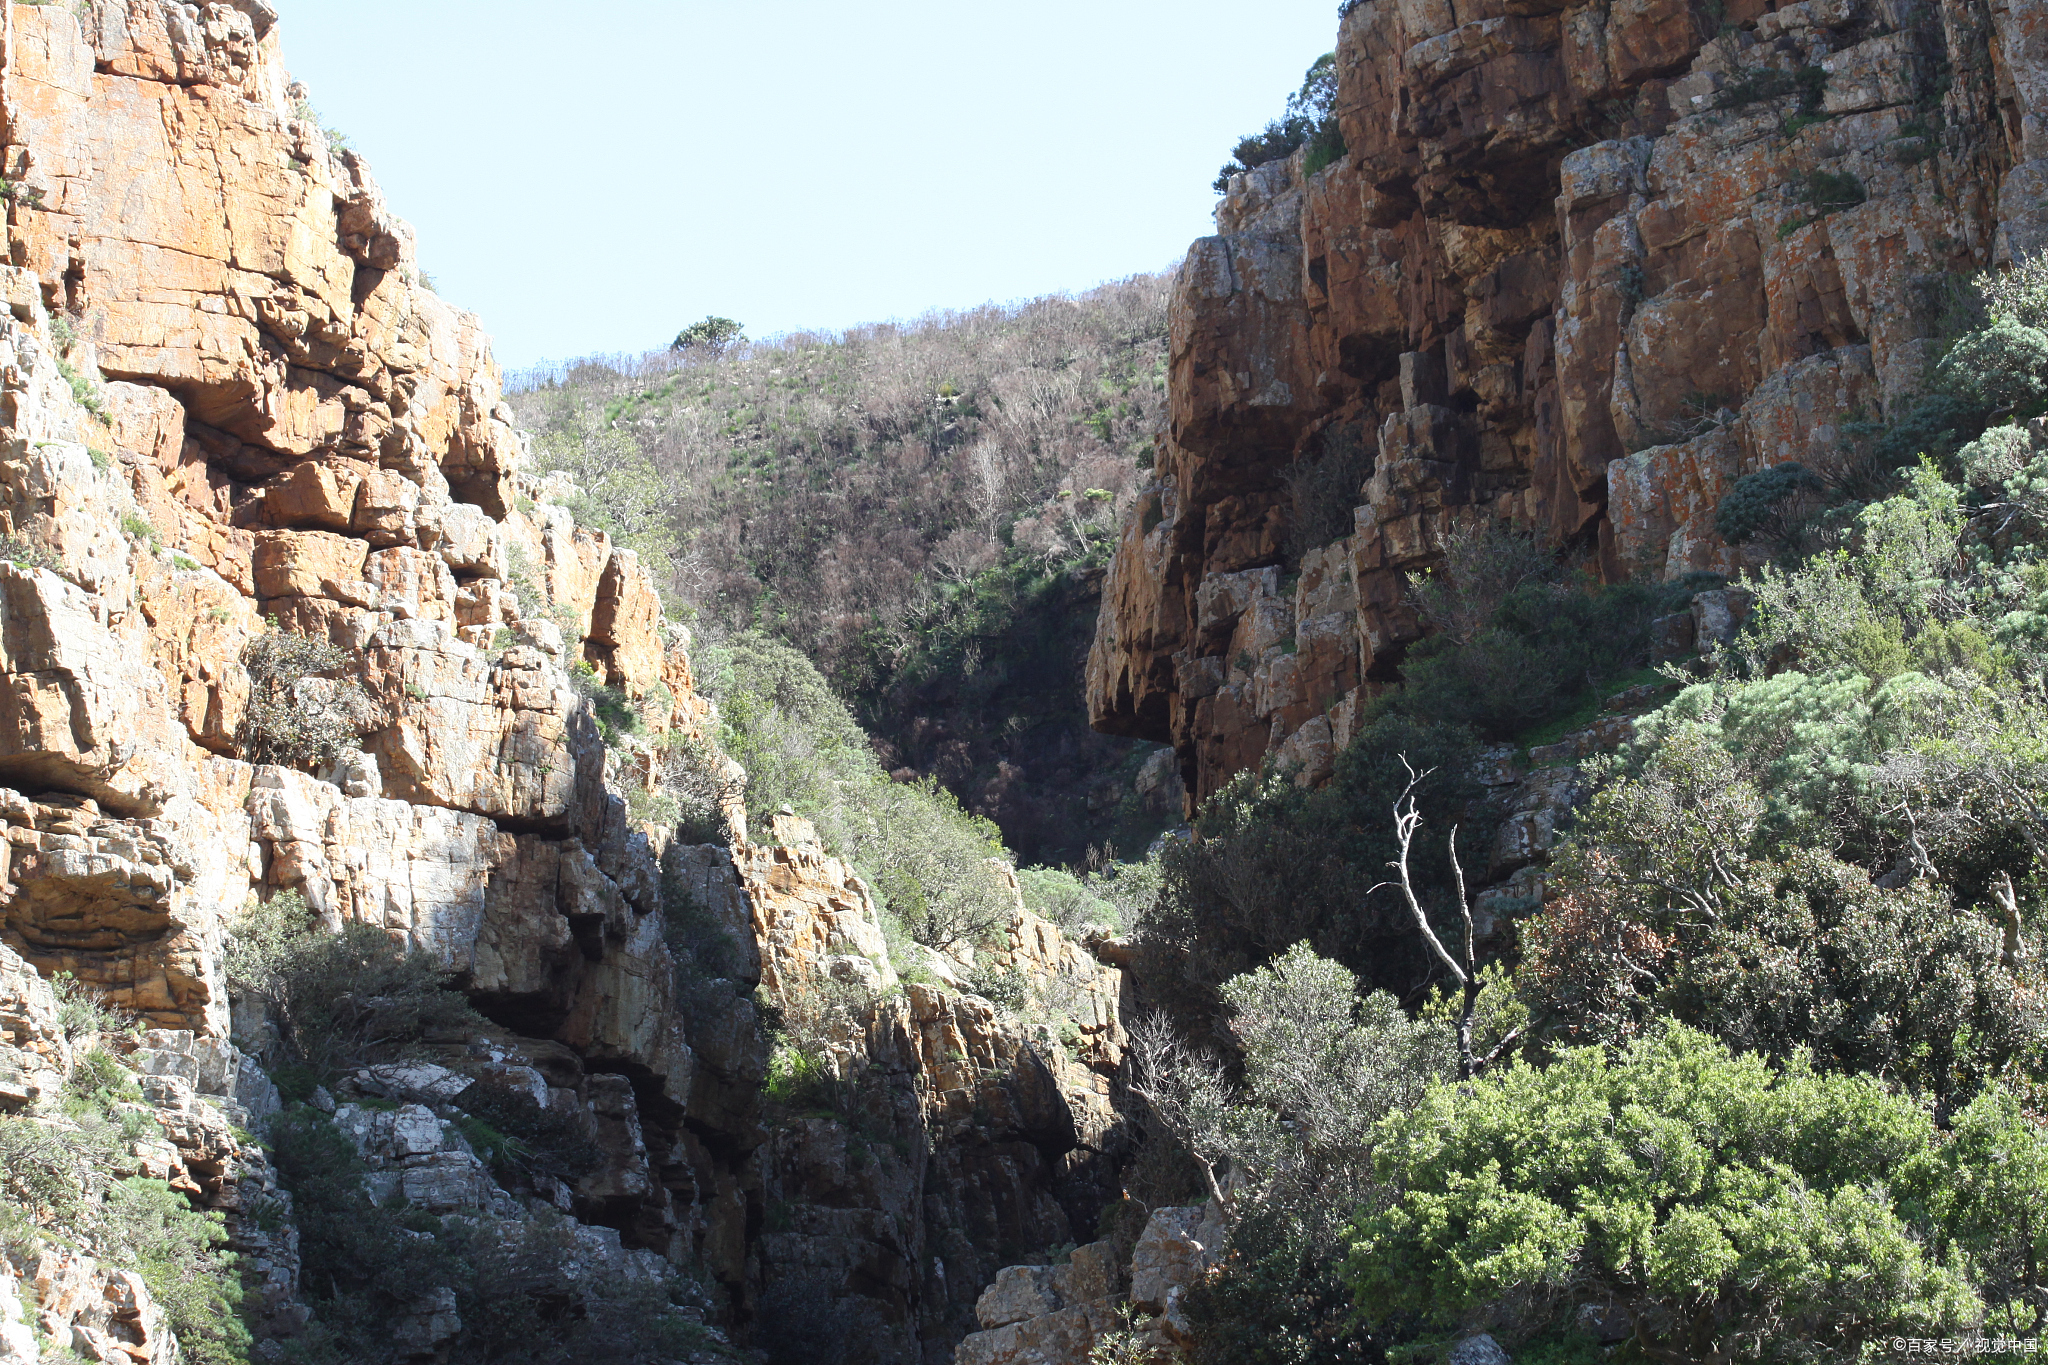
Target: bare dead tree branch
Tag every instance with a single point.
(1408, 819)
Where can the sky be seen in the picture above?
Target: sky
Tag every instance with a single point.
(591, 178)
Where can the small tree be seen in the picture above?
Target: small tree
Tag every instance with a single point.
(1322, 1064)
(713, 335)
(1310, 119)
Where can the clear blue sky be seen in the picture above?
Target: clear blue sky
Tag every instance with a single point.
(591, 177)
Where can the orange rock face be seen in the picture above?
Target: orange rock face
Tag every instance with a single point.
(229, 403)
(1569, 276)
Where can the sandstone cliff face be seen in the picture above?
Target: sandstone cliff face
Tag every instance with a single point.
(229, 403)
(1573, 275)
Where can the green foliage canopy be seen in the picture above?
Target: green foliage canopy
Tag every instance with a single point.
(1734, 1209)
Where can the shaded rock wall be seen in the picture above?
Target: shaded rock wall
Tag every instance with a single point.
(229, 399)
(966, 1135)
(1571, 275)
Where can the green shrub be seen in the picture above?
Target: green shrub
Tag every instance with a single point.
(702, 783)
(1998, 367)
(1066, 900)
(1772, 505)
(97, 1082)
(300, 715)
(1732, 1209)
(522, 1140)
(340, 1000)
(1132, 890)
(1310, 119)
(1904, 984)
(1320, 1067)
(619, 489)
(85, 389)
(712, 334)
(1994, 458)
(613, 710)
(1894, 581)
(56, 1184)
(929, 862)
(1698, 883)
(1992, 1172)
(1547, 645)
(1827, 191)
(810, 1032)
(802, 1082)
(1279, 1299)
(303, 110)
(81, 1010)
(181, 1256)
(1993, 365)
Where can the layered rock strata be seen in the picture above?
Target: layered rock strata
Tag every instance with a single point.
(230, 405)
(1583, 266)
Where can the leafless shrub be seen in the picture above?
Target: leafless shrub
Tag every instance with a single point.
(299, 714)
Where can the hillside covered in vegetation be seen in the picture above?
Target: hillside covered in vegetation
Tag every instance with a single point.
(923, 509)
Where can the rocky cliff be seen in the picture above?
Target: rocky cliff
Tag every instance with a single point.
(231, 408)
(1583, 266)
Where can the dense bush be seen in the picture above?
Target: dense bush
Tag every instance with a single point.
(1310, 120)
(1773, 506)
(1698, 883)
(1272, 865)
(1517, 638)
(339, 999)
(1291, 1143)
(521, 1139)
(181, 1256)
(299, 714)
(1732, 1209)
(1066, 900)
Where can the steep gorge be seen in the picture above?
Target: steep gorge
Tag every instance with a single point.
(1580, 269)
